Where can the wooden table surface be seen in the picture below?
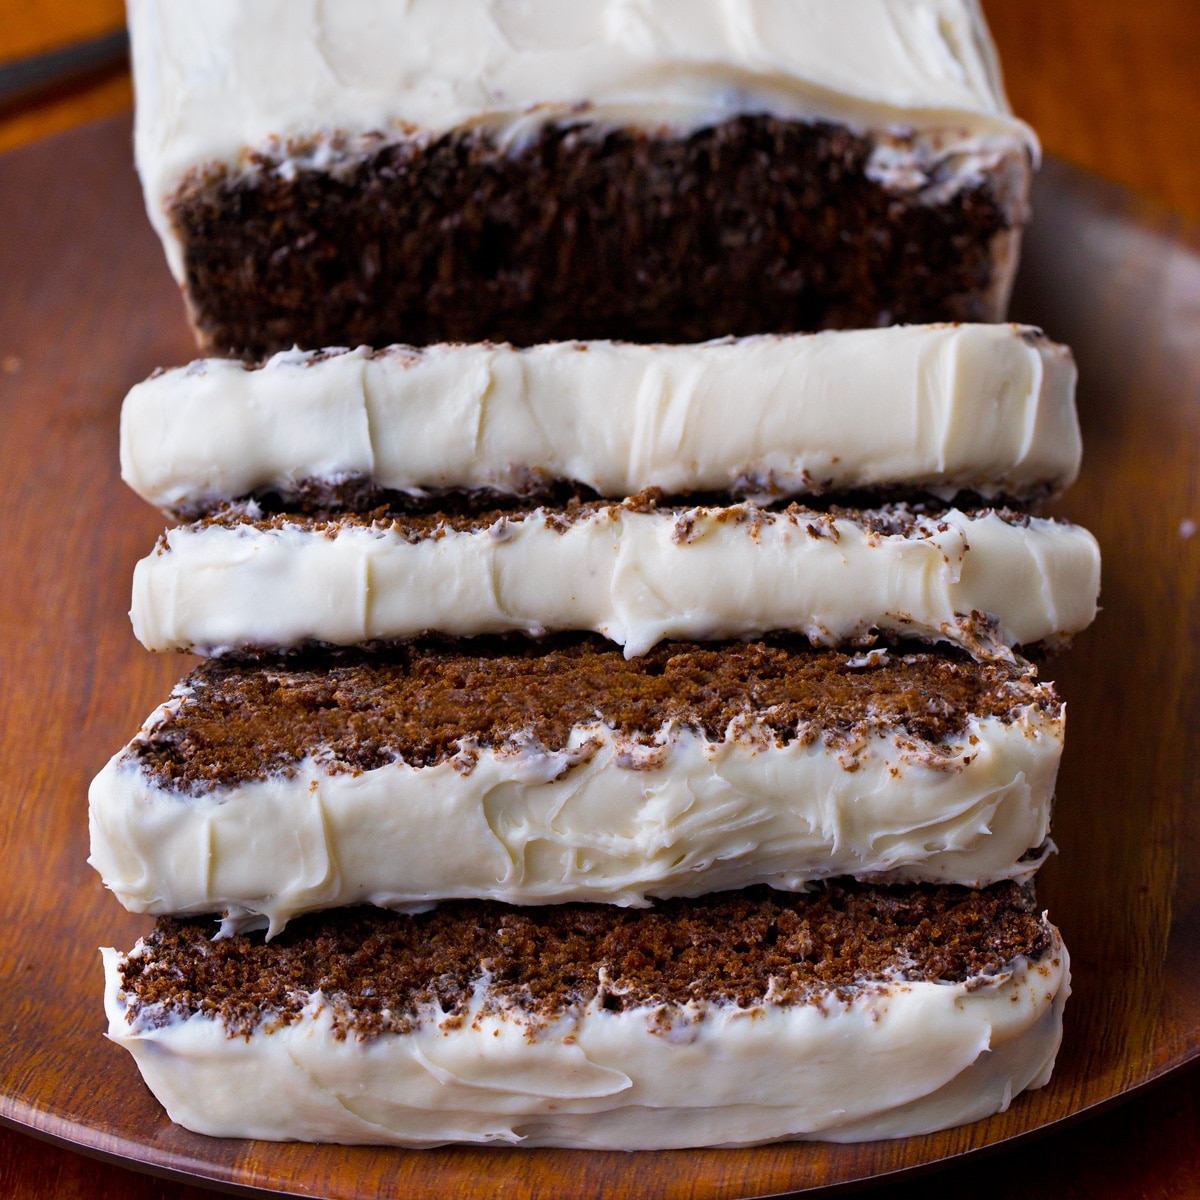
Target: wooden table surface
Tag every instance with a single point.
(1110, 85)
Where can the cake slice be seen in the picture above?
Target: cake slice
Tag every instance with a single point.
(538, 773)
(637, 572)
(984, 409)
(371, 172)
(849, 1014)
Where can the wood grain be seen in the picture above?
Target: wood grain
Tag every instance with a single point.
(89, 309)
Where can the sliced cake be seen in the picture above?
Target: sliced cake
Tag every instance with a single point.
(637, 572)
(371, 533)
(849, 1014)
(983, 409)
(538, 773)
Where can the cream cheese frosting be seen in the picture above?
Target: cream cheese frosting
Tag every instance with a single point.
(603, 819)
(985, 408)
(892, 1060)
(635, 576)
(220, 80)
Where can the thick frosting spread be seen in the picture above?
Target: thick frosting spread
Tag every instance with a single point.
(985, 408)
(888, 1061)
(219, 79)
(601, 820)
(636, 576)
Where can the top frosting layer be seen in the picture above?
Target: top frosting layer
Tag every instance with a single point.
(218, 77)
(983, 408)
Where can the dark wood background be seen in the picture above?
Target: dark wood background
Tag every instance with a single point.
(1110, 85)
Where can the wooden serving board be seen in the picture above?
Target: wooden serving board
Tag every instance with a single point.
(87, 308)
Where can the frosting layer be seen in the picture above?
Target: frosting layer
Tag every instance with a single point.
(219, 79)
(983, 408)
(604, 819)
(891, 1060)
(636, 575)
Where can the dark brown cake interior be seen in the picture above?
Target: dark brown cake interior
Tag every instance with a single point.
(359, 494)
(418, 519)
(379, 970)
(750, 226)
(424, 703)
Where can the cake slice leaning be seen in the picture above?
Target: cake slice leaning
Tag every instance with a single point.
(851, 1013)
(983, 409)
(638, 572)
(538, 773)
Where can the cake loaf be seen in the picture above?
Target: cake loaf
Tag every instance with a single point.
(544, 772)
(673, 170)
(470, 609)
(849, 1014)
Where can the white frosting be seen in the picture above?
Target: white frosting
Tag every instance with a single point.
(218, 78)
(899, 1059)
(602, 820)
(635, 577)
(990, 408)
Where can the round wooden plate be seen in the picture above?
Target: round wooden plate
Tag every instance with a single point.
(89, 309)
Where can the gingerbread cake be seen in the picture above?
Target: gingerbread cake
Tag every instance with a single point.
(637, 572)
(616, 727)
(859, 507)
(568, 772)
(466, 170)
(468, 613)
(850, 1013)
(983, 409)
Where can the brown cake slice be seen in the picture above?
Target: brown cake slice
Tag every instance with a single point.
(934, 409)
(638, 572)
(540, 772)
(848, 1013)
